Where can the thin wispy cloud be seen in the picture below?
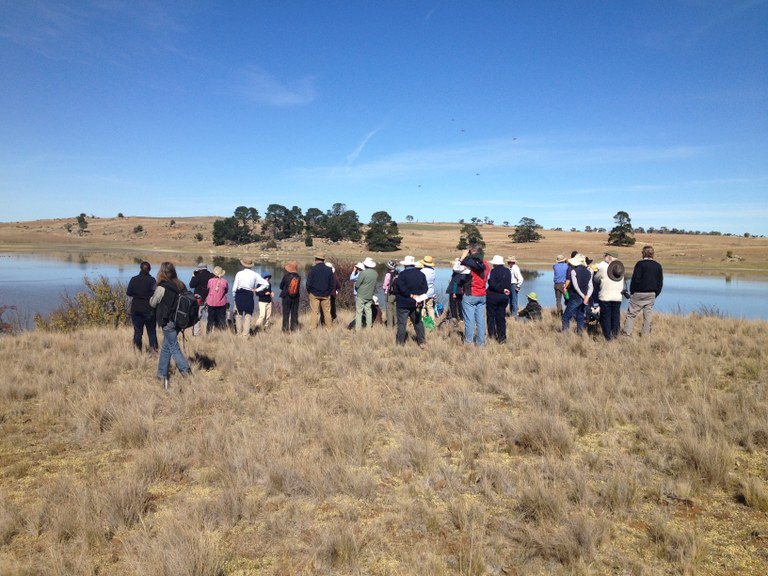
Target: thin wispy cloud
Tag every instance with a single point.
(78, 30)
(353, 156)
(261, 87)
(498, 154)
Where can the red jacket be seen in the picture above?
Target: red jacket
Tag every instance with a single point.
(476, 287)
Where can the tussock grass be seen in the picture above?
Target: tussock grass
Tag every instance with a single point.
(341, 453)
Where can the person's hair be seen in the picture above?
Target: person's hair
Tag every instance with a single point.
(168, 274)
(145, 267)
(573, 254)
(647, 251)
(474, 248)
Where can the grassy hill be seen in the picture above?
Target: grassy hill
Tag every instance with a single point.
(340, 453)
(118, 238)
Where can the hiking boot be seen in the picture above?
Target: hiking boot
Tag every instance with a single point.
(166, 383)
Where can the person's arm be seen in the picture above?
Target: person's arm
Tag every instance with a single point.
(661, 281)
(129, 291)
(157, 296)
(261, 284)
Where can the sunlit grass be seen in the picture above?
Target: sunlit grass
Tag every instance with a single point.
(341, 453)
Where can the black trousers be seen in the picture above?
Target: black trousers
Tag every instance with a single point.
(496, 310)
(290, 314)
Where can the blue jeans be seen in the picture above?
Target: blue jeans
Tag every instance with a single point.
(513, 300)
(170, 348)
(574, 307)
(140, 321)
(473, 308)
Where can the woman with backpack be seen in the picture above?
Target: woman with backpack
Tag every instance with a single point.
(164, 301)
(290, 291)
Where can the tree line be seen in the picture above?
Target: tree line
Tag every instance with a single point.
(279, 222)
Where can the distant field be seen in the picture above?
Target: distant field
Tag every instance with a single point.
(117, 238)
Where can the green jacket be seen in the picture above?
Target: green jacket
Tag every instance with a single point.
(366, 284)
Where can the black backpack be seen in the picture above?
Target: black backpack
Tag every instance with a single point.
(185, 311)
(392, 281)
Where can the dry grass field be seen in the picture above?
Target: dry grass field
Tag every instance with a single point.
(115, 238)
(340, 453)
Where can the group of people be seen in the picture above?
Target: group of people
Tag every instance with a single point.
(595, 290)
(479, 294)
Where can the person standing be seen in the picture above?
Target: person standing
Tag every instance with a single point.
(579, 292)
(246, 283)
(366, 288)
(390, 278)
(473, 264)
(428, 269)
(264, 295)
(516, 282)
(163, 300)
(199, 286)
(560, 269)
(498, 296)
(290, 289)
(140, 290)
(216, 300)
(410, 291)
(645, 286)
(319, 288)
(610, 279)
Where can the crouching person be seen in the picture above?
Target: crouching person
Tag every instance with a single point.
(163, 300)
(532, 310)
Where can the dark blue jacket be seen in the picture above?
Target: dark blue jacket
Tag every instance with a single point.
(409, 281)
(320, 280)
(140, 289)
(647, 277)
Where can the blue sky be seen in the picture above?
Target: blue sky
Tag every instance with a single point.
(561, 111)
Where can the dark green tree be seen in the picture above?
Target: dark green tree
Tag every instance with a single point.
(344, 226)
(237, 229)
(382, 234)
(280, 223)
(469, 234)
(314, 221)
(622, 233)
(526, 231)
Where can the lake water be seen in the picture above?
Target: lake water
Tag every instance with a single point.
(35, 283)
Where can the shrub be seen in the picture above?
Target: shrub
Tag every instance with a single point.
(6, 327)
(138, 229)
(199, 237)
(101, 304)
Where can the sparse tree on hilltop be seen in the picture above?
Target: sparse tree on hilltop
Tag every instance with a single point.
(622, 233)
(382, 234)
(469, 234)
(526, 231)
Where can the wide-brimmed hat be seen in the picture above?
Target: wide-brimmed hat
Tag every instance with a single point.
(219, 271)
(428, 261)
(615, 270)
(331, 266)
(319, 256)
(360, 266)
(408, 261)
(267, 275)
(511, 259)
(533, 296)
(612, 254)
(496, 260)
(559, 258)
(577, 260)
(291, 266)
(202, 266)
(246, 263)
(369, 263)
